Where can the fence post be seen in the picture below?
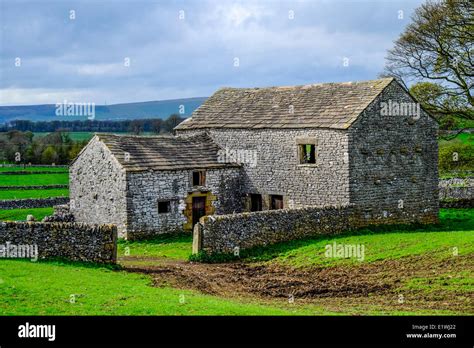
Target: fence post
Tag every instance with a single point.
(197, 238)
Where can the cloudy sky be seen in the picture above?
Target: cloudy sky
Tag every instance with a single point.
(106, 51)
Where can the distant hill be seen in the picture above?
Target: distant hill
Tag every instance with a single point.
(152, 109)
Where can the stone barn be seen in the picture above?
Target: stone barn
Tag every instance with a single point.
(367, 144)
(151, 185)
(364, 143)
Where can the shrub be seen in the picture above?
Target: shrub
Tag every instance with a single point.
(456, 156)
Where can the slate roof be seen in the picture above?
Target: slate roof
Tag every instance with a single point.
(326, 105)
(164, 152)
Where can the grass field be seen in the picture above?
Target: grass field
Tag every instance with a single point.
(34, 179)
(463, 138)
(27, 288)
(34, 169)
(21, 214)
(57, 176)
(22, 194)
(174, 247)
(46, 288)
(80, 136)
(76, 136)
(456, 230)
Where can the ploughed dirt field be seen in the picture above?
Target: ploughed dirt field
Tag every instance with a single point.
(411, 284)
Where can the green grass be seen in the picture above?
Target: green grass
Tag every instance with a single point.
(456, 230)
(456, 174)
(169, 246)
(20, 214)
(45, 288)
(384, 246)
(22, 194)
(76, 136)
(34, 169)
(461, 282)
(463, 138)
(34, 179)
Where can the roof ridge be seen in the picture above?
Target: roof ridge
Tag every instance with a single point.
(332, 105)
(164, 152)
(315, 84)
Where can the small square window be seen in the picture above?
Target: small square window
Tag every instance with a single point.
(307, 153)
(164, 207)
(276, 202)
(199, 178)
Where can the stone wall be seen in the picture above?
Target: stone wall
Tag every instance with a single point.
(10, 165)
(231, 233)
(72, 241)
(394, 159)
(97, 187)
(277, 170)
(145, 189)
(62, 213)
(236, 232)
(32, 202)
(33, 187)
(456, 193)
(29, 172)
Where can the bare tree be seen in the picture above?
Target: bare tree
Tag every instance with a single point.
(438, 47)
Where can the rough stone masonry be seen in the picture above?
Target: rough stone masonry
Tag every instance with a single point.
(318, 145)
(65, 240)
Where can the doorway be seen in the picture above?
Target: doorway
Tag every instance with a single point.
(255, 202)
(199, 208)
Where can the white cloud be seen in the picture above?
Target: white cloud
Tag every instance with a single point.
(170, 58)
(101, 69)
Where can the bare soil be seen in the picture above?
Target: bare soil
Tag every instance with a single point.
(377, 284)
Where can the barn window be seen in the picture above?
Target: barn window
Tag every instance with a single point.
(307, 153)
(276, 202)
(199, 178)
(255, 202)
(164, 207)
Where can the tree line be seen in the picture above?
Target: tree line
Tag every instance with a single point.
(23, 147)
(155, 125)
(18, 144)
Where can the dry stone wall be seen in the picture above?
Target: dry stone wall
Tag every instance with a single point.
(236, 232)
(32, 202)
(232, 233)
(456, 193)
(66, 240)
(33, 187)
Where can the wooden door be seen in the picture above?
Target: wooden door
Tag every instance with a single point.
(199, 208)
(276, 202)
